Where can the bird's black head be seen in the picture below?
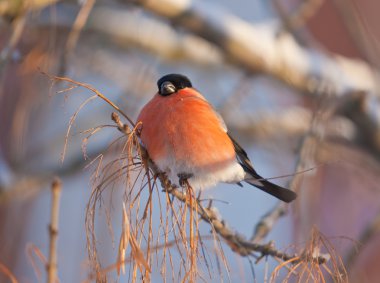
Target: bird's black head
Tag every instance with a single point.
(172, 83)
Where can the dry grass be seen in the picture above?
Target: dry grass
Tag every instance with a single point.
(146, 237)
(304, 268)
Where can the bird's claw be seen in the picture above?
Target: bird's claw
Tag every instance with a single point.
(183, 177)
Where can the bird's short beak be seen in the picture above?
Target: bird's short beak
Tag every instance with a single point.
(167, 88)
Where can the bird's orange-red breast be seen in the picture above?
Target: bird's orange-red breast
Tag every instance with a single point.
(187, 139)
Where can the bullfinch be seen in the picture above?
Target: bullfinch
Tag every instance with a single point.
(188, 141)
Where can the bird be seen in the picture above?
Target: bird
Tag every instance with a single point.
(189, 141)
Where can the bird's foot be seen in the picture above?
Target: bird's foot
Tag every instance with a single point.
(183, 177)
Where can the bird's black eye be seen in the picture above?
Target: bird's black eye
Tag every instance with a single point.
(172, 83)
(167, 88)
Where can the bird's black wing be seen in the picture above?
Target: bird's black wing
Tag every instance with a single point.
(256, 180)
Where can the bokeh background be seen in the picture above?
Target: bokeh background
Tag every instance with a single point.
(309, 99)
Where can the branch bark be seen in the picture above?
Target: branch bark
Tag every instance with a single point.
(51, 267)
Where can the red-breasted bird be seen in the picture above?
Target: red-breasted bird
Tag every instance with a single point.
(188, 140)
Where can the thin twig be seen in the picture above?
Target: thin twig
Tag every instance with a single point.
(51, 267)
(78, 25)
(91, 88)
(5, 270)
(267, 221)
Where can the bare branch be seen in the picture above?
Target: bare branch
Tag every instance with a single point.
(53, 232)
(267, 221)
(234, 240)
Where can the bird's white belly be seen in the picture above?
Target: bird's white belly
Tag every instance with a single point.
(201, 178)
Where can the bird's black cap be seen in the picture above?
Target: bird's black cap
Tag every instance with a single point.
(176, 80)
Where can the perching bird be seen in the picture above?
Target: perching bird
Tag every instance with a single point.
(188, 140)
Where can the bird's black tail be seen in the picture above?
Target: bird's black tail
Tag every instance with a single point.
(256, 180)
(272, 189)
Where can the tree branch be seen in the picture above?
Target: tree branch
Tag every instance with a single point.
(121, 25)
(51, 267)
(234, 240)
(259, 48)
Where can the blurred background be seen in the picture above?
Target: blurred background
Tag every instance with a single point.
(295, 81)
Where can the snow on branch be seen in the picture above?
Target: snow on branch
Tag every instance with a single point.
(263, 48)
